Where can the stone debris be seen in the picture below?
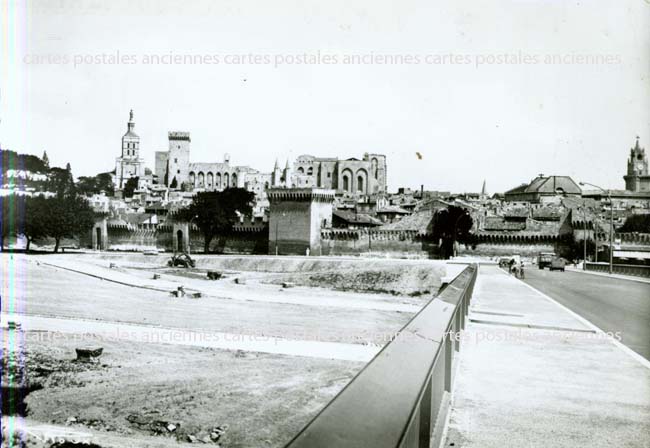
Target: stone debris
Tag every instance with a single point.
(214, 275)
(89, 354)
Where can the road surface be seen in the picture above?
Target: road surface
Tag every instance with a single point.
(610, 304)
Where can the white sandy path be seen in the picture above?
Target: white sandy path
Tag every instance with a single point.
(227, 341)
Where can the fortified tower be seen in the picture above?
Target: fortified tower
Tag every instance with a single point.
(296, 217)
(178, 161)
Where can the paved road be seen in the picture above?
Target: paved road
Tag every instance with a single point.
(610, 304)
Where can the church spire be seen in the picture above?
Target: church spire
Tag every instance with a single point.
(286, 166)
(637, 143)
(276, 166)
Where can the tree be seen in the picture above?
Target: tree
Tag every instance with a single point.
(89, 185)
(104, 182)
(37, 215)
(450, 225)
(46, 160)
(130, 186)
(68, 216)
(573, 248)
(13, 217)
(60, 182)
(636, 223)
(215, 212)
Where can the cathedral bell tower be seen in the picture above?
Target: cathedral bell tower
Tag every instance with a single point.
(129, 164)
(637, 178)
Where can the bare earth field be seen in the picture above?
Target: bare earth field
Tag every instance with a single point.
(268, 359)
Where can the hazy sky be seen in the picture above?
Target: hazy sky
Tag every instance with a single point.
(453, 96)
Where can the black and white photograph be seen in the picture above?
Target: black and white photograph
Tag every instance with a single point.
(325, 224)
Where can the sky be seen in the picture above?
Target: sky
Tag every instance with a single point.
(494, 90)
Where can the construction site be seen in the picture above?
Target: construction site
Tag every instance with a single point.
(140, 350)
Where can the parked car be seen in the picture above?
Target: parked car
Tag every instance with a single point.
(557, 264)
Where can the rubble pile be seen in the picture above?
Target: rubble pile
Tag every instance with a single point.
(154, 422)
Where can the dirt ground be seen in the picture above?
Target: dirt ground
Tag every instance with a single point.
(255, 399)
(155, 394)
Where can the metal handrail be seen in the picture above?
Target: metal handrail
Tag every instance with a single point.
(396, 399)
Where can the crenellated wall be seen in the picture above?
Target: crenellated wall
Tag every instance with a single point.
(164, 238)
(388, 242)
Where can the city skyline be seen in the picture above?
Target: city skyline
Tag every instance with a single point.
(444, 88)
(291, 160)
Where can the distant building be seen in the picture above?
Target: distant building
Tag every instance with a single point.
(352, 176)
(347, 219)
(129, 164)
(544, 189)
(637, 178)
(175, 170)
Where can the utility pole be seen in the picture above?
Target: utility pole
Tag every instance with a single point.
(611, 233)
(584, 235)
(595, 224)
(611, 224)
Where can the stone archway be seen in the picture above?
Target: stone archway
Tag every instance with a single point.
(98, 238)
(179, 241)
(362, 181)
(347, 180)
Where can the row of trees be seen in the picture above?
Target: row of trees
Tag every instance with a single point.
(64, 214)
(57, 178)
(37, 217)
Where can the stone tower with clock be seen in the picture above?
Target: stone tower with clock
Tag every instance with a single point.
(637, 178)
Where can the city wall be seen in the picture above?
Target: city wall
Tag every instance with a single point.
(123, 238)
(407, 243)
(396, 243)
(508, 249)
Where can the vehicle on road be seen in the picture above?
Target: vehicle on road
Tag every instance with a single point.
(504, 262)
(544, 259)
(557, 264)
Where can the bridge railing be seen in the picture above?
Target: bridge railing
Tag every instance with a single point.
(400, 398)
(623, 269)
